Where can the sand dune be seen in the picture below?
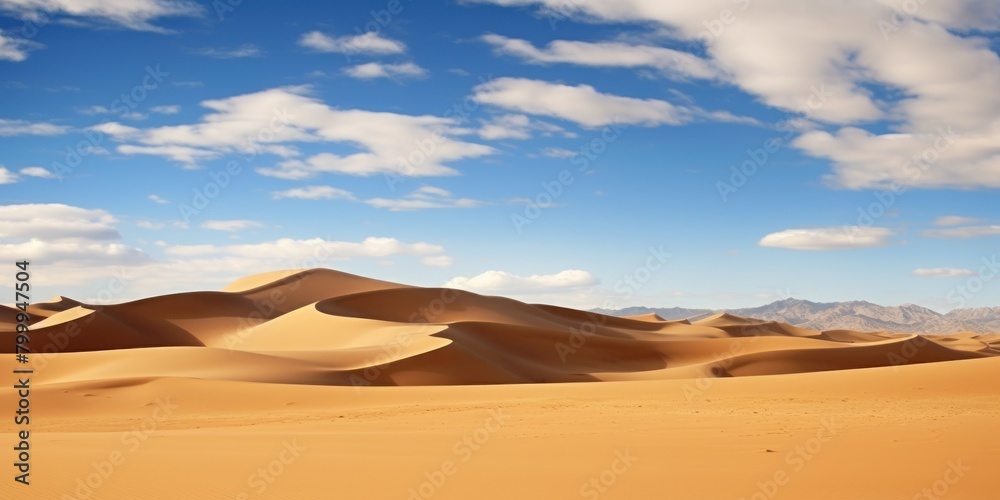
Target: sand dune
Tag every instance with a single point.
(296, 352)
(326, 327)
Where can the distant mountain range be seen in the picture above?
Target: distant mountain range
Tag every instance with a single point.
(854, 315)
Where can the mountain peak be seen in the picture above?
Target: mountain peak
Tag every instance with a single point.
(859, 315)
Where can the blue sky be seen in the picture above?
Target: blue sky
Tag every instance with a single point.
(414, 141)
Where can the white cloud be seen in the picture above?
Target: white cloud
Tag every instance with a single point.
(513, 126)
(379, 70)
(670, 62)
(188, 157)
(963, 232)
(245, 50)
(104, 110)
(230, 226)
(80, 247)
(954, 220)
(502, 281)
(943, 272)
(90, 149)
(117, 130)
(368, 43)
(145, 224)
(15, 49)
(64, 240)
(94, 110)
(828, 238)
(928, 71)
(37, 172)
(56, 222)
(54, 255)
(581, 104)
(423, 198)
(10, 128)
(287, 248)
(314, 193)
(166, 110)
(131, 14)
(560, 153)
(156, 199)
(6, 176)
(270, 121)
(438, 261)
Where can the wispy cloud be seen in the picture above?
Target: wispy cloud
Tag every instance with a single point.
(963, 232)
(6, 176)
(669, 62)
(371, 43)
(291, 115)
(502, 281)
(166, 110)
(373, 70)
(828, 238)
(9, 128)
(132, 14)
(798, 58)
(424, 198)
(943, 272)
(16, 49)
(39, 172)
(955, 220)
(516, 126)
(581, 103)
(245, 50)
(313, 193)
(230, 226)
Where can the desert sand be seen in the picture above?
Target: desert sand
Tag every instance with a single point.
(321, 384)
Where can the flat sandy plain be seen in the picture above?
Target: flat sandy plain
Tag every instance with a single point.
(320, 384)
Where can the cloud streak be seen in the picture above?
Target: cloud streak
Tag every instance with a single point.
(828, 238)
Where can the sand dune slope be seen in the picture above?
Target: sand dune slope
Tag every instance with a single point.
(323, 327)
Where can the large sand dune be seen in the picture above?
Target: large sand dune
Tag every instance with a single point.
(710, 408)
